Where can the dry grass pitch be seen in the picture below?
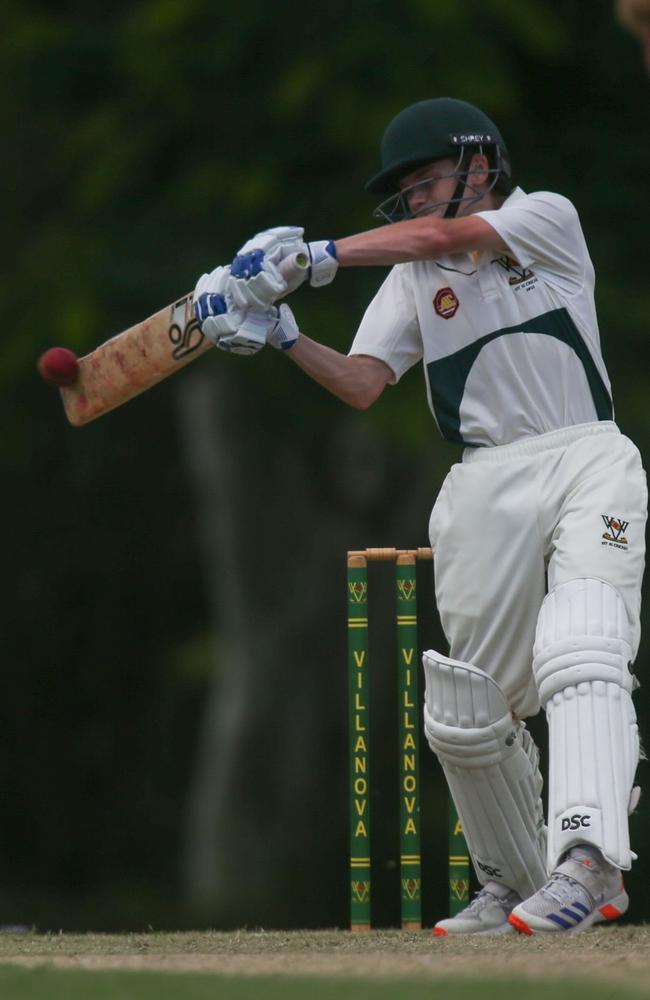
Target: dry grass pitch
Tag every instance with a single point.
(614, 956)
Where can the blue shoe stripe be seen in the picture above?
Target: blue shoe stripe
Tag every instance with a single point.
(576, 916)
(560, 921)
(579, 906)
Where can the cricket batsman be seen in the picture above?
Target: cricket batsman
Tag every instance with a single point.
(537, 534)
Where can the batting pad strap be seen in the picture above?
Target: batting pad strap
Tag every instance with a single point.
(492, 768)
(593, 735)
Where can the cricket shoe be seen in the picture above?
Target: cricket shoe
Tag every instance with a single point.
(584, 890)
(486, 914)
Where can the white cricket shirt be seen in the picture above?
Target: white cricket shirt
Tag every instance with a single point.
(509, 342)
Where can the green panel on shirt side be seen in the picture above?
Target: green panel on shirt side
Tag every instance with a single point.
(448, 376)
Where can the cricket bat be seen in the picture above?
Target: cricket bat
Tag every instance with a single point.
(145, 354)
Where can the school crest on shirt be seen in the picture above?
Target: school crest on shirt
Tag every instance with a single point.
(445, 302)
(615, 534)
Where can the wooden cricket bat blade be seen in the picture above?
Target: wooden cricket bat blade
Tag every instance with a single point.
(134, 361)
(145, 354)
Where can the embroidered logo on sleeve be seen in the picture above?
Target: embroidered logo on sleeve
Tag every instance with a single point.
(518, 277)
(446, 303)
(615, 534)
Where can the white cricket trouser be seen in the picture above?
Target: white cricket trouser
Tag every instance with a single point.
(516, 520)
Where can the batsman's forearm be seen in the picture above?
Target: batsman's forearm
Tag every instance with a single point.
(427, 238)
(413, 239)
(357, 380)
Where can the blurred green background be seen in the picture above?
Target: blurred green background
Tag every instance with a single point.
(173, 711)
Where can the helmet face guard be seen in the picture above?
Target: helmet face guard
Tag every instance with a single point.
(396, 207)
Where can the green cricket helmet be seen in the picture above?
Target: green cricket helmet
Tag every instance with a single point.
(432, 130)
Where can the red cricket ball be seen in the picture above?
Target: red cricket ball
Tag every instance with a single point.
(58, 366)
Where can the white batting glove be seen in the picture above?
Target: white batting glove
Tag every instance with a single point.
(275, 326)
(216, 316)
(276, 243)
(255, 280)
(214, 283)
(221, 322)
(285, 332)
(253, 332)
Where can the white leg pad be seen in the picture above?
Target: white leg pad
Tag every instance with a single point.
(581, 663)
(492, 768)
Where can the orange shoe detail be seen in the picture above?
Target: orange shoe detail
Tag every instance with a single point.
(609, 912)
(440, 932)
(520, 925)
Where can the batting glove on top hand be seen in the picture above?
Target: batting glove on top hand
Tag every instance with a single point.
(275, 244)
(255, 280)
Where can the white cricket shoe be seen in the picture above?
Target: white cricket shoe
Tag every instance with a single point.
(584, 890)
(486, 914)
